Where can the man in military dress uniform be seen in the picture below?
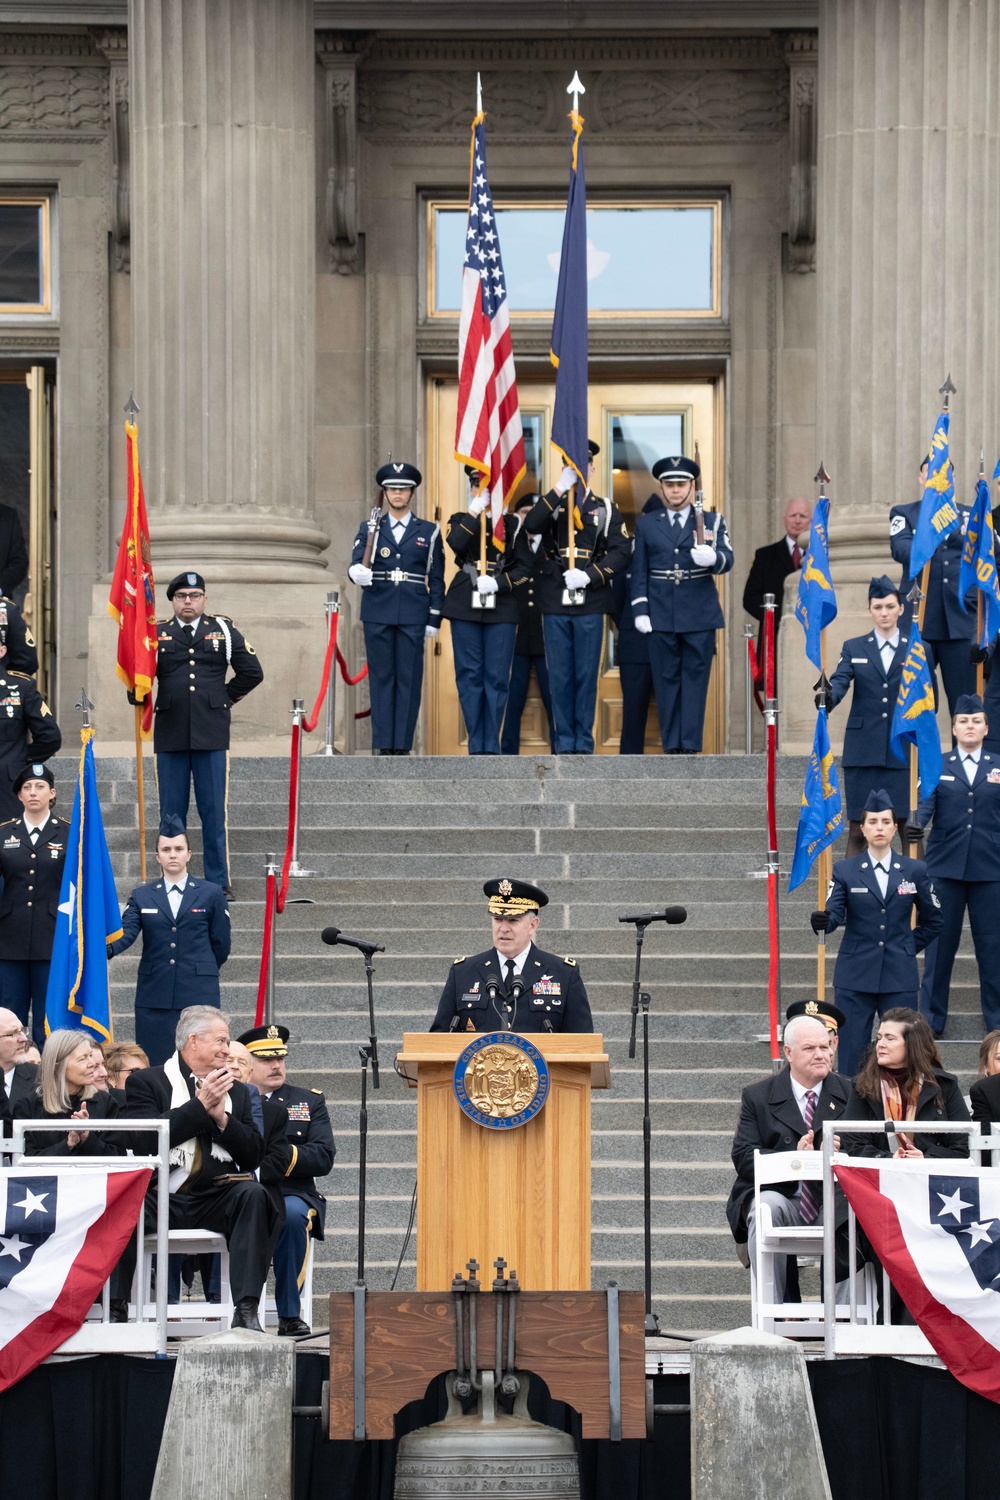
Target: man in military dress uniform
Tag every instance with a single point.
(195, 652)
(574, 633)
(514, 986)
(402, 598)
(483, 614)
(185, 941)
(32, 855)
(529, 645)
(632, 655)
(948, 631)
(22, 653)
(312, 1154)
(23, 711)
(676, 603)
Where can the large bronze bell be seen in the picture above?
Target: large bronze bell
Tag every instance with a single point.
(491, 1452)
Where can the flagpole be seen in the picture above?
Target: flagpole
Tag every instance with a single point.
(140, 791)
(824, 865)
(980, 673)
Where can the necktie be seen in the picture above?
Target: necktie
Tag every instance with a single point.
(34, 836)
(675, 520)
(970, 769)
(882, 876)
(808, 1202)
(174, 894)
(189, 631)
(796, 555)
(256, 1107)
(508, 977)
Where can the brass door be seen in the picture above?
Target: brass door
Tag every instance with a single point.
(635, 423)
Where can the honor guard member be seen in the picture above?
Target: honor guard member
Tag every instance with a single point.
(574, 631)
(310, 1137)
(872, 896)
(948, 631)
(32, 855)
(514, 986)
(185, 941)
(874, 665)
(632, 657)
(23, 712)
(529, 647)
(22, 653)
(483, 614)
(401, 602)
(195, 652)
(675, 602)
(963, 859)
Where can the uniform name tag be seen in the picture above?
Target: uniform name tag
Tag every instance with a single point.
(859, 661)
(946, 778)
(149, 911)
(860, 890)
(12, 843)
(906, 888)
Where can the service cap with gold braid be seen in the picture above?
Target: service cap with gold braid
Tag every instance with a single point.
(512, 898)
(266, 1041)
(818, 1010)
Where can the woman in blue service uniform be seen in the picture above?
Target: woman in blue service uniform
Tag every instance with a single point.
(483, 614)
(874, 664)
(402, 597)
(676, 604)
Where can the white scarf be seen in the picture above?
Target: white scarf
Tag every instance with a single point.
(182, 1156)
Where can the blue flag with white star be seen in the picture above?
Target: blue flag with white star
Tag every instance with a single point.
(821, 816)
(79, 992)
(914, 720)
(939, 515)
(569, 325)
(978, 568)
(816, 604)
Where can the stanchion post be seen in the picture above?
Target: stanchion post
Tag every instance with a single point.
(272, 869)
(332, 609)
(298, 714)
(747, 638)
(773, 863)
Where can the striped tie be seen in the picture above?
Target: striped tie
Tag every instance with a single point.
(808, 1203)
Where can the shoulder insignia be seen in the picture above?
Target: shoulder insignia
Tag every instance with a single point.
(457, 960)
(26, 675)
(316, 1091)
(29, 639)
(248, 646)
(228, 618)
(571, 962)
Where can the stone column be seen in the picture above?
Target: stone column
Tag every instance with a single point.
(909, 279)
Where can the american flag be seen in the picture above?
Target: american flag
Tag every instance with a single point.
(488, 431)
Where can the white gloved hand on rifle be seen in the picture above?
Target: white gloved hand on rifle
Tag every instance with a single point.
(430, 631)
(704, 556)
(575, 578)
(487, 585)
(360, 575)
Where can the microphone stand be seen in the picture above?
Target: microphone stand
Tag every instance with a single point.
(641, 998)
(364, 1053)
(372, 1038)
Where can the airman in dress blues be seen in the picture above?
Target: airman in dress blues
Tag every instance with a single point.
(676, 604)
(872, 896)
(529, 646)
(574, 632)
(23, 711)
(963, 857)
(401, 603)
(32, 855)
(483, 612)
(948, 631)
(514, 986)
(185, 941)
(874, 665)
(632, 655)
(195, 652)
(313, 1151)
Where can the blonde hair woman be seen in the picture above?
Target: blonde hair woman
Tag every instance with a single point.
(65, 1091)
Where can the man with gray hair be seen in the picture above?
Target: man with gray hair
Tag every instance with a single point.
(785, 1112)
(215, 1149)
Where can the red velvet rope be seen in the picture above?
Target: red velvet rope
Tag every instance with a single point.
(268, 932)
(756, 673)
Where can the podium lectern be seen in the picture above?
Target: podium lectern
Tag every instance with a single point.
(521, 1193)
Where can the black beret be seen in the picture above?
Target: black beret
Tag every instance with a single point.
(185, 581)
(592, 448)
(35, 772)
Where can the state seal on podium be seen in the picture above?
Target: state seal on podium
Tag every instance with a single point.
(501, 1080)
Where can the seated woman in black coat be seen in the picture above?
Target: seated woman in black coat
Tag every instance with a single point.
(902, 1079)
(66, 1091)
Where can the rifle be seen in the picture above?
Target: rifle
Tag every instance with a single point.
(699, 503)
(374, 521)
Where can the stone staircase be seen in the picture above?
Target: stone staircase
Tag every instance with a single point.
(399, 850)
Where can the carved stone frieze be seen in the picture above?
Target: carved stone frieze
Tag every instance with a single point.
(48, 44)
(114, 45)
(42, 98)
(340, 145)
(482, 51)
(802, 57)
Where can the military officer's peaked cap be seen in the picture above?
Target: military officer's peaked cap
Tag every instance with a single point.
(185, 581)
(266, 1041)
(171, 827)
(818, 1010)
(593, 448)
(966, 703)
(882, 587)
(879, 801)
(399, 476)
(35, 772)
(676, 468)
(512, 898)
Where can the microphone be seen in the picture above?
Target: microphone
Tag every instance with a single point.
(456, 1021)
(333, 935)
(673, 916)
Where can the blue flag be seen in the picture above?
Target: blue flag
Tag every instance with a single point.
(79, 993)
(978, 568)
(821, 818)
(569, 326)
(914, 720)
(816, 605)
(939, 515)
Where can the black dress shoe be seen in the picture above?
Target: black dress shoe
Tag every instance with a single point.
(245, 1315)
(293, 1328)
(118, 1310)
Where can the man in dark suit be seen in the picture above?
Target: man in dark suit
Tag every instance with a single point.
(185, 941)
(772, 564)
(18, 1078)
(311, 1153)
(13, 552)
(215, 1148)
(529, 645)
(785, 1112)
(32, 855)
(514, 986)
(195, 652)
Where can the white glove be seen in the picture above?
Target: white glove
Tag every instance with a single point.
(487, 585)
(566, 480)
(430, 631)
(704, 556)
(575, 578)
(643, 624)
(478, 502)
(360, 575)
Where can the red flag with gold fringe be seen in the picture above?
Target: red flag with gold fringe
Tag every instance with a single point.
(133, 595)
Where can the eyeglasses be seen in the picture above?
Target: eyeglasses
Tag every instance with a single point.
(6, 1036)
(191, 594)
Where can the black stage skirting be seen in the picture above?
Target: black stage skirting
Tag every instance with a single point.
(89, 1429)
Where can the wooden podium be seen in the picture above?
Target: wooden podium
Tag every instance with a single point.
(523, 1193)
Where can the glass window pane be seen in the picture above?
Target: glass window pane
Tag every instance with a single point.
(534, 477)
(643, 260)
(637, 441)
(21, 254)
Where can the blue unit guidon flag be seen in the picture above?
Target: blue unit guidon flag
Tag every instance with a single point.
(935, 1226)
(63, 1232)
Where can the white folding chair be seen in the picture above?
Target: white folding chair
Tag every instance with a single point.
(187, 1319)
